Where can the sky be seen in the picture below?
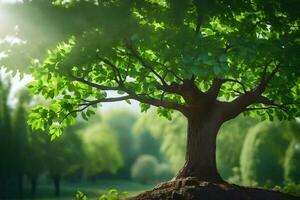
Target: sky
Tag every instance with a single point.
(18, 84)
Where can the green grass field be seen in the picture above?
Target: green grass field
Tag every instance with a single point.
(91, 189)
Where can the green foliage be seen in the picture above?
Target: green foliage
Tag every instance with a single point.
(64, 155)
(232, 134)
(101, 150)
(172, 135)
(146, 143)
(290, 188)
(121, 123)
(131, 51)
(6, 132)
(163, 172)
(144, 169)
(110, 195)
(80, 196)
(262, 155)
(292, 162)
(113, 195)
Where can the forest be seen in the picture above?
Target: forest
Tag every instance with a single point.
(107, 99)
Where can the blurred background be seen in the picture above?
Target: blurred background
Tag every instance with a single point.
(119, 147)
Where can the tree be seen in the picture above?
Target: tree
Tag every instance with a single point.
(229, 145)
(291, 164)
(20, 138)
(101, 150)
(291, 160)
(36, 157)
(121, 123)
(146, 141)
(64, 156)
(6, 169)
(170, 133)
(263, 154)
(144, 169)
(209, 60)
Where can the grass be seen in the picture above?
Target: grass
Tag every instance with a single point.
(91, 189)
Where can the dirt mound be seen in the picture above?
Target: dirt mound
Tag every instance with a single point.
(191, 188)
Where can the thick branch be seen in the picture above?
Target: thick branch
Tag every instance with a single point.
(215, 88)
(217, 84)
(155, 102)
(240, 104)
(172, 88)
(266, 79)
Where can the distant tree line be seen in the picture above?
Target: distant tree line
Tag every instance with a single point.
(105, 148)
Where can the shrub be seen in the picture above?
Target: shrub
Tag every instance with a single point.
(144, 169)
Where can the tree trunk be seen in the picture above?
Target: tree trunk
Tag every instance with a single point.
(20, 185)
(33, 186)
(201, 148)
(56, 180)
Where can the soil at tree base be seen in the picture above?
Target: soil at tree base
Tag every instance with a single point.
(193, 189)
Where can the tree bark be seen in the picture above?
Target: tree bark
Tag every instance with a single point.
(56, 181)
(201, 147)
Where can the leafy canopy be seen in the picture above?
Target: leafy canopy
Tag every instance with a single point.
(147, 51)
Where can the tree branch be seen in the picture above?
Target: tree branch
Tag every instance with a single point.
(238, 82)
(217, 84)
(135, 54)
(215, 88)
(89, 103)
(95, 85)
(105, 100)
(117, 73)
(133, 95)
(266, 108)
(266, 79)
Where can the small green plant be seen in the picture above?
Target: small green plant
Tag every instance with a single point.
(110, 195)
(290, 188)
(80, 196)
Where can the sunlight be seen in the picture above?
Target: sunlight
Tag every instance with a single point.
(10, 1)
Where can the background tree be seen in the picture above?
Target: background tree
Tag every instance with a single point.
(144, 169)
(101, 150)
(121, 123)
(292, 162)
(36, 157)
(263, 150)
(64, 156)
(146, 141)
(230, 142)
(170, 133)
(209, 60)
(20, 139)
(6, 149)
